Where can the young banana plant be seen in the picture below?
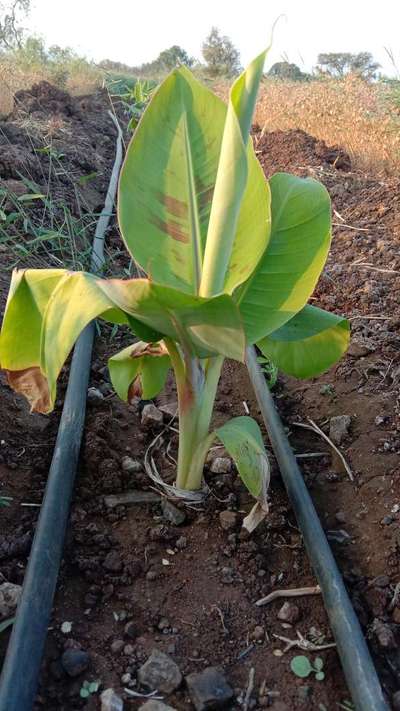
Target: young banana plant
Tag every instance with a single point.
(231, 259)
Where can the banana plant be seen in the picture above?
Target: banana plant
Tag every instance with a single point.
(231, 260)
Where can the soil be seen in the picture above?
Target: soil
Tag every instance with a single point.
(130, 576)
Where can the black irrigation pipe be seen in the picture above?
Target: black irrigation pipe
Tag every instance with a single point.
(19, 678)
(357, 664)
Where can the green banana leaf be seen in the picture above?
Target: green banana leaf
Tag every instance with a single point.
(47, 310)
(139, 370)
(288, 271)
(167, 184)
(308, 344)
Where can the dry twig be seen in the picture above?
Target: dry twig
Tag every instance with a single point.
(303, 643)
(314, 428)
(294, 592)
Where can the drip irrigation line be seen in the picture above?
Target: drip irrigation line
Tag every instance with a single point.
(19, 678)
(356, 660)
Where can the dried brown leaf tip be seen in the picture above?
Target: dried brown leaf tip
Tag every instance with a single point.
(148, 349)
(33, 385)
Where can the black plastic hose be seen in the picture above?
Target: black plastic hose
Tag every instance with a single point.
(19, 678)
(357, 664)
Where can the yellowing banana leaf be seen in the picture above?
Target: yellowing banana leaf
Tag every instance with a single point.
(308, 344)
(51, 308)
(140, 370)
(289, 269)
(167, 185)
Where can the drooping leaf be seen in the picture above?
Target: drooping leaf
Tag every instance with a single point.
(167, 184)
(308, 344)
(53, 308)
(289, 269)
(139, 370)
(242, 438)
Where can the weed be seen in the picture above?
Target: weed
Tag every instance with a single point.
(302, 667)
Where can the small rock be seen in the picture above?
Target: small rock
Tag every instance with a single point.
(340, 517)
(128, 650)
(110, 701)
(94, 395)
(152, 575)
(258, 633)
(221, 465)
(160, 672)
(171, 513)
(181, 543)
(228, 520)
(357, 349)
(339, 428)
(154, 705)
(130, 630)
(131, 466)
(164, 624)
(151, 416)
(384, 634)
(396, 701)
(339, 536)
(209, 689)
(289, 613)
(113, 562)
(379, 420)
(117, 646)
(126, 679)
(387, 520)
(75, 661)
(9, 599)
(396, 615)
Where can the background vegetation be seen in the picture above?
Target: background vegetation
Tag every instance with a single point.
(344, 100)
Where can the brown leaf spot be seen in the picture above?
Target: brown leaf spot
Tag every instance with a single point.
(172, 228)
(150, 349)
(205, 197)
(178, 208)
(33, 385)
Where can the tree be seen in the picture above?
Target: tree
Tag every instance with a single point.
(338, 64)
(286, 70)
(173, 57)
(11, 32)
(221, 56)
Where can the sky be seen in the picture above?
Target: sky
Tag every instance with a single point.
(134, 32)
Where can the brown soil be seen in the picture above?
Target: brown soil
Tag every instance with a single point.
(200, 607)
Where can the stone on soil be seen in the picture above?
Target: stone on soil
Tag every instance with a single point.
(209, 689)
(131, 466)
(228, 520)
(151, 416)
(160, 673)
(384, 634)
(289, 613)
(221, 465)
(9, 599)
(75, 661)
(110, 701)
(171, 513)
(339, 428)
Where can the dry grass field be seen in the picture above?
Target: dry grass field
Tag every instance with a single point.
(357, 115)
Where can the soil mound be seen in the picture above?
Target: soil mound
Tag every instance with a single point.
(290, 150)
